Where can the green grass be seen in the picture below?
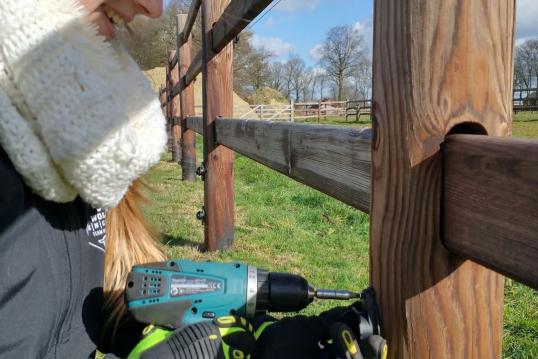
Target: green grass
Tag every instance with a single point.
(285, 226)
(525, 125)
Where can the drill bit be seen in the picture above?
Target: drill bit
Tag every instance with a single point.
(336, 294)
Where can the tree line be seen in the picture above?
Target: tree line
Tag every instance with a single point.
(526, 65)
(343, 69)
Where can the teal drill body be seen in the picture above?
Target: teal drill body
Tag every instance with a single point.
(180, 292)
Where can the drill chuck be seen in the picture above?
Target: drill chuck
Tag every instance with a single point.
(282, 292)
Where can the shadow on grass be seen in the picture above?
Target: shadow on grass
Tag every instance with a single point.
(178, 241)
(526, 120)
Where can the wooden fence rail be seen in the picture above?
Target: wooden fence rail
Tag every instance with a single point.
(334, 160)
(445, 208)
(337, 161)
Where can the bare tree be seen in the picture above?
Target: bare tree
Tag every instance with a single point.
(151, 39)
(294, 70)
(361, 80)
(341, 52)
(306, 85)
(276, 71)
(526, 64)
(251, 66)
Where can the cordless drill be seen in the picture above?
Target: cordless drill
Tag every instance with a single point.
(177, 293)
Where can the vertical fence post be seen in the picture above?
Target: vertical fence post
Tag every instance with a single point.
(169, 143)
(435, 66)
(217, 90)
(162, 98)
(188, 136)
(175, 111)
(292, 111)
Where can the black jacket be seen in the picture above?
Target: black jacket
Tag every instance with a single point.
(51, 273)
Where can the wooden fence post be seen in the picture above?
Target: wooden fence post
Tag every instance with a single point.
(188, 136)
(162, 98)
(217, 90)
(437, 64)
(292, 111)
(168, 91)
(175, 111)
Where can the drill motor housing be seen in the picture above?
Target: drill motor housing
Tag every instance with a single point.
(177, 293)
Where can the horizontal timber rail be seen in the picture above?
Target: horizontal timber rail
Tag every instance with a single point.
(501, 234)
(184, 35)
(491, 203)
(334, 160)
(191, 18)
(196, 124)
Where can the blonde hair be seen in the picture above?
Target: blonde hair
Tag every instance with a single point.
(130, 240)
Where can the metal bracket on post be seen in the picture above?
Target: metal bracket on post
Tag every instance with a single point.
(201, 171)
(176, 120)
(200, 215)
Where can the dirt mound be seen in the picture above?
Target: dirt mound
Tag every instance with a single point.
(157, 76)
(267, 96)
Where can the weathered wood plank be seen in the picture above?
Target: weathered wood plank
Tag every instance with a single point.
(217, 94)
(237, 16)
(436, 64)
(173, 61)
(333, 160)
(195, 68)
(186, 95)
(175, 111)
(196, 124)
(189, 22)
(490, 210)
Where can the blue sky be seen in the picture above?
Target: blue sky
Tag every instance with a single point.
(299, 25)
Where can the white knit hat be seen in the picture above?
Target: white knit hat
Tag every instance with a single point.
(77, 116)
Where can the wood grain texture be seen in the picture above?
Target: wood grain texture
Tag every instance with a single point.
(217, 92)
(194, 70)
(175, 111)
(490, 209)
(237, 15)
(468, 44)
(436, 64)
(196, 124)
(333, 160)
(186, 95)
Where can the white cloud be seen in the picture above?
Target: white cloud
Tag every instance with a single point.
(315, 52)
(294, 5)
(367, 31)
(526, 19)
(275, 45)
(318, 71)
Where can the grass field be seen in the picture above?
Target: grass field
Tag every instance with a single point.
(285, 226)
